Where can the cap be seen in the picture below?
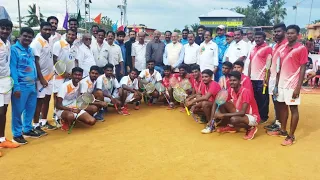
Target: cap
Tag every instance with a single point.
(230, 34)
(221, 27)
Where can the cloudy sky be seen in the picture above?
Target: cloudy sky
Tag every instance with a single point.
(159, 14)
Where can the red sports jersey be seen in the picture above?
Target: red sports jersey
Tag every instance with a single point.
(213, 87)
(275, 55)
(258, 59)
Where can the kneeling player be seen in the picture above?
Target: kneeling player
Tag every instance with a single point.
(203, 104)
(66, 102)
(240, 110)
(130, 90)
(87, 86)
(166, 83)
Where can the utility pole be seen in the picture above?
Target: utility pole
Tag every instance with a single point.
(310, 12)
(276, 16)
(19, 14)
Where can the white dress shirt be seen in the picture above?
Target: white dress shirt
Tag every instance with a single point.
(85, 59)
(139, 52)
(191, 53)
(237, 50)
(208, 55)
(100, 53)
(115, 54)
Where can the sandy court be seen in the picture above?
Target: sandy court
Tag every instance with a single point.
(155, 143)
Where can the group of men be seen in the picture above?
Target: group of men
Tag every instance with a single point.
(113, 71)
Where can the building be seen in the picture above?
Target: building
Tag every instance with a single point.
(313, 30)
(141, 28)
(232, 20)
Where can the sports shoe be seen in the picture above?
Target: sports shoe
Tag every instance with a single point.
(137, 107)
(20, 140)
(32, 134)
(99, 116)
(272, 127)
(279, 133)
(40, 131)
(58, 122)
(124, 111)
(289, 141)
(48, 126)
(250, 133)
(207, 130)
(226, 129)
(8, 144)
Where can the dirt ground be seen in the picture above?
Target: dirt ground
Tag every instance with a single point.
(155, 143)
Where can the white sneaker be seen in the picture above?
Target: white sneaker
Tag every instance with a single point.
(207, 130)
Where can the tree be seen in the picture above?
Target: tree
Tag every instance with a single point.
(32, 19)
(186, 27)
(107, 23)
(194, 27)
(176, 30)
(315, 21)
(258, 4)
(277, 11)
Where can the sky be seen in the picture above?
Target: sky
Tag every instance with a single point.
(159, 14)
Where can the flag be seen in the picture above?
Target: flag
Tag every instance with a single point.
(98, 19)
(79, 18)
(121, 28)
(114, 26)
(65, 22)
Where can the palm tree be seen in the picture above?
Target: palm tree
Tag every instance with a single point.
(32, 20)
(315, 21)
(277, 11)
(194, 27)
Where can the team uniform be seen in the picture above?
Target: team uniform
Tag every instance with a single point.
(66, 53)
(87, 86)
(244, 96)
(291, 60)
(69, 93)
(213, 87)
(224, 82)
(126, 80)
(166, 81)
(111, 89)
(273, 69)
(151, 78)
(43, 50)
(5, 69)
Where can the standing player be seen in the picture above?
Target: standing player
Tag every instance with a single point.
(107, 88)
(130, 90)
(66, 102)
(64, 50)
(281, 41)
(152, 76)
(240, 110)
(259, 56)
(55, 36)
(209, 90)
(42, 50)
(294, 57)
(87, 86)
(5, 31)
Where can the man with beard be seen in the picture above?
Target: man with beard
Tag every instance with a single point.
(42, 50)
(208, 58)
(230, 40)
(73, 24)
(200, 37)
(173, 53)
(115, 55)
(100, 50)
(128, 46)
(237, 51)
(251, 44)
(94, 32)
(120, 42)
(184, 39)
(55, 36)
(167, 37)
(155, 50)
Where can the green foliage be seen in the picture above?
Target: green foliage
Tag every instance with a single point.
(194, 27)
(277, 11)
(176, 30)
(32, 20)
(315, 21)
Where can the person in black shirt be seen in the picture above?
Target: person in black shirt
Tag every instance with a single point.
(128, 46)
(200, 37)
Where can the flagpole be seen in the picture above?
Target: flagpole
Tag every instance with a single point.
(310, 11)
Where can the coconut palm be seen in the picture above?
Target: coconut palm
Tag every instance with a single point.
(277, 11)
(32, 19)
(194, 27)
(315, 21)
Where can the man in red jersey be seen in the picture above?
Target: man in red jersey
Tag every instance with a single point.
(293, 60)
(245, 80)
(260, 55)
(240, 110)
(281, 41)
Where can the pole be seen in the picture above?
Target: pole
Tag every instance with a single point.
(276, 13)
(19, 14)
(310, 11)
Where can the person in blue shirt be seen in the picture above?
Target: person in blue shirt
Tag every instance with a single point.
(120, 42)
(24, 99)
(167, 38)
(184, 39)
(220, 40)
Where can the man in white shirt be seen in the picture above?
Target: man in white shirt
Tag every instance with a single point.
(100, 50)
(208, 54)
(115, 55)
(73, 24)
(151, 75)
(66, 102)
(5, 30)
(191, 52)
(42, 50)
(251, 45)
(173, 53)
(237, 51)
(54, 25)
(94, 32)
(84, 57)
(138, 53)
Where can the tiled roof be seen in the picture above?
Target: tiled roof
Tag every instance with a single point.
(222, 13)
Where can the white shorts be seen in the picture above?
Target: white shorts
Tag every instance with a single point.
(252, 120)
(76, 116)
(114, 95)
(5, 99)
(272, 84)
(46, 91)
(57, 83)
(285, 95)
(310, 71)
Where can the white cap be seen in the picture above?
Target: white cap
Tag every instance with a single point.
(221, 27)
